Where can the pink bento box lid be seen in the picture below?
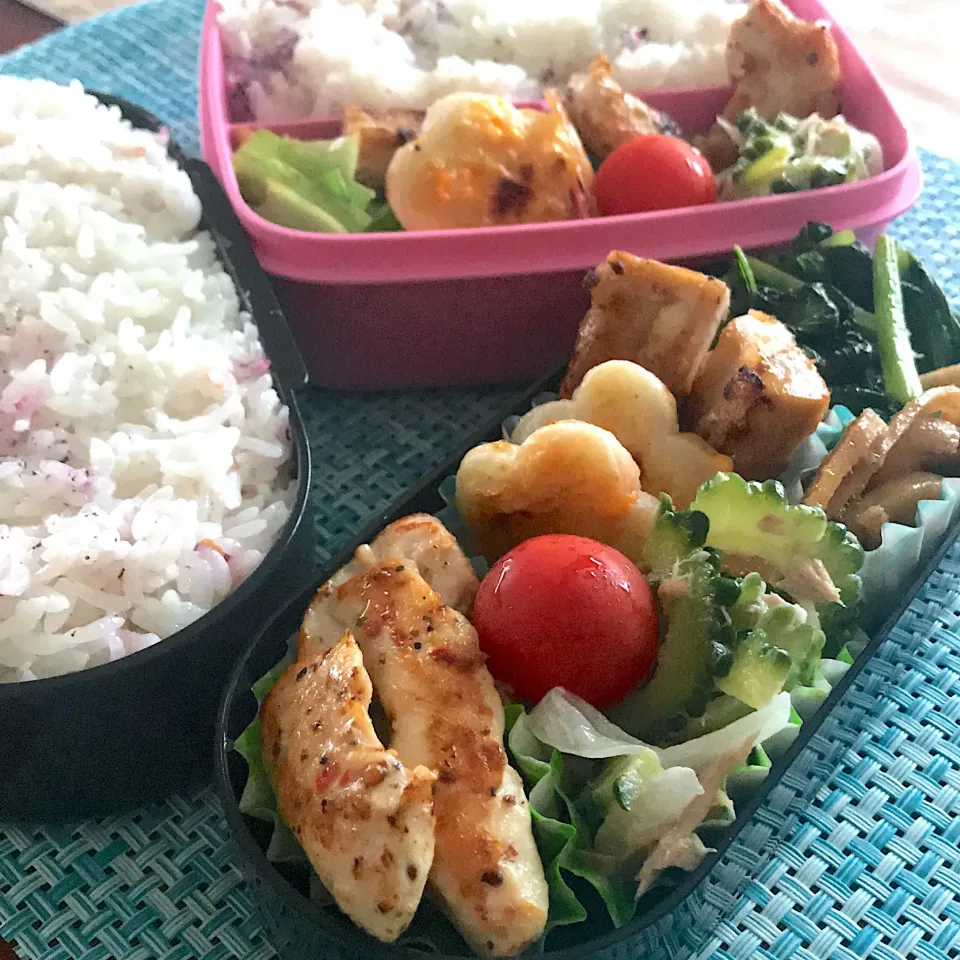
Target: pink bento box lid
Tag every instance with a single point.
(538, 248)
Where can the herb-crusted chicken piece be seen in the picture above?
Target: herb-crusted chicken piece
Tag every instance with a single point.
(445, 714)
(662, 317)
(364, 820)
(758, 396)
(777, 63)
(425, 541)
(606, 116)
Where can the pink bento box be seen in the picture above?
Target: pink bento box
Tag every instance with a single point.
(438, 308)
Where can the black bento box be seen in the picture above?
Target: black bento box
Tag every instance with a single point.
(140, 727)
(300, 929)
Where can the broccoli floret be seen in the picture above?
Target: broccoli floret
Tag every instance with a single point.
(794, 544)
(696, 649)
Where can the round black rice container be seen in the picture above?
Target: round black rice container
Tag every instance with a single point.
(138, 728)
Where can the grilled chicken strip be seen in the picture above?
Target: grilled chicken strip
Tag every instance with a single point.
(424, 540)
(364, 820)
(445, 714)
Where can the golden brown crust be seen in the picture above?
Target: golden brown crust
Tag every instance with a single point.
(364, 820)
(758, 396)
(660, 316)
(480, 162)
(445, 714)
(605, 115)
(423, 539)
(567, 477)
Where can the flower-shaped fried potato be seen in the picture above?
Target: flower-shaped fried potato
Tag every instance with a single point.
(639, 410)
(568, 477)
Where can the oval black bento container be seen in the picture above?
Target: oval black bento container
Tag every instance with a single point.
(136, 729)
(301, 929)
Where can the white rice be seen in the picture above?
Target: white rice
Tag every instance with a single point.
(294, 58)
(143, 450)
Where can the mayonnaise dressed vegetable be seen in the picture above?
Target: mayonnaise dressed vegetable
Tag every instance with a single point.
(788, 155)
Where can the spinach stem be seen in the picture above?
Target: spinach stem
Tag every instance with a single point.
(768, 275)
(897, 360)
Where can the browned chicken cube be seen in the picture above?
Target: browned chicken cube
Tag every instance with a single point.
(778, 63)
(758, 396)
(606, 116)
(659, 316)
(379, 136)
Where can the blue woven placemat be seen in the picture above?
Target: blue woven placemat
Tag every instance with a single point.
(864, 857)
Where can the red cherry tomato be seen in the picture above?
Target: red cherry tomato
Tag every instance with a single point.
(653, 173)
(564, 611)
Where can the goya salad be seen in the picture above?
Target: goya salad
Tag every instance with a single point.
(541, 706)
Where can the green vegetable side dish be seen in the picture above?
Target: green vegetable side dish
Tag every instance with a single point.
(309, 185)
(893, 339)
(695, 651)
(872, 322)
(789, 155)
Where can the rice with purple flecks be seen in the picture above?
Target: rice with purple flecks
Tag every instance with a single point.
(144, 453)
(295, 58)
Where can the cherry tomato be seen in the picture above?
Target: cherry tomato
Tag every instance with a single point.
(565, 611)
(653, 173)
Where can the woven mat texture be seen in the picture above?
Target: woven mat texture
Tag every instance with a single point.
(854, 855)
